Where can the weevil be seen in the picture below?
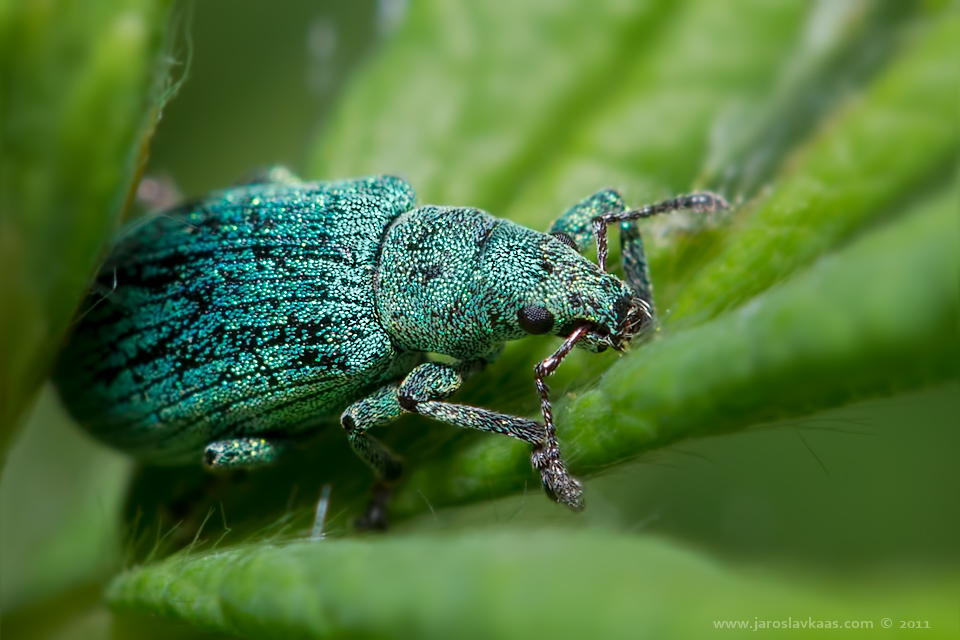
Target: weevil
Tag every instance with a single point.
(228, 329)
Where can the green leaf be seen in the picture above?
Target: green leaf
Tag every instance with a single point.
(532, 584)
(834, 280)
(79, 103)
(898, 138)
(616, 93)
(73, 535)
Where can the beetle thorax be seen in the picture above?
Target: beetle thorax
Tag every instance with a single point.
(433, 290)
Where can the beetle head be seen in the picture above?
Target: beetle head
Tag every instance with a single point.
(460, 282)
(561, 290)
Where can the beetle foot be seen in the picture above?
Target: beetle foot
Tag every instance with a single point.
(375, 517)
(557, 481)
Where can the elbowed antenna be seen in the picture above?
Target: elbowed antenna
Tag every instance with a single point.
(703, 202)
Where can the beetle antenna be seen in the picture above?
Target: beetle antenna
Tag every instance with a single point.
(701, 202)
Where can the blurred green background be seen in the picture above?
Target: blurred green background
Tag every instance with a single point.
(817, 485)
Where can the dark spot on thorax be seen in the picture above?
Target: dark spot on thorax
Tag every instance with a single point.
(430, 272)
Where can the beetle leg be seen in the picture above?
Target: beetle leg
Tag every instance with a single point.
(587, 222)
(576, 223)
(467, 417)
(423, 389)
(431, 380)
(245, 453)
(558, 483)
(636, 271)
(422, 392)
(379, 408)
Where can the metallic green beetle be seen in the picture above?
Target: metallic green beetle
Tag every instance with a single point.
(227, 329)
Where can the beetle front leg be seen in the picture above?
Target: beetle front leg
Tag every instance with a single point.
(636, 271)
(587, 222)
(427, 381)
(576, 224)
(577, 227)
(422, 392)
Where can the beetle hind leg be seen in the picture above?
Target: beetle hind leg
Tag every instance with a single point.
(243, 453)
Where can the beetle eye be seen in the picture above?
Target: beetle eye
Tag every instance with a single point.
(535, 319)
(566, 239)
